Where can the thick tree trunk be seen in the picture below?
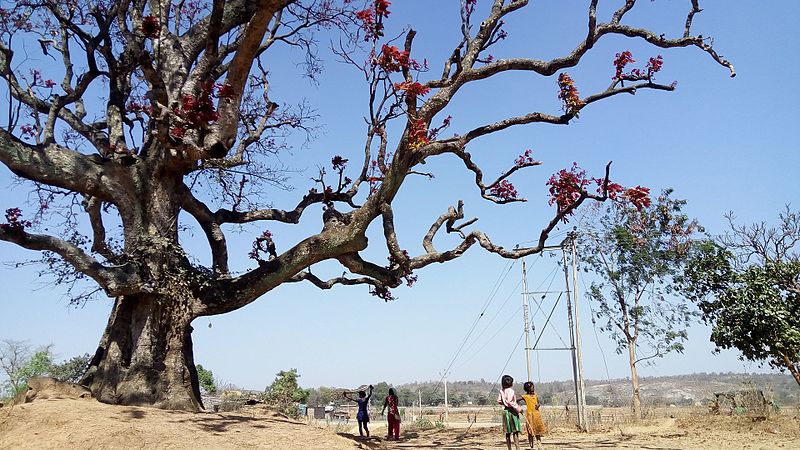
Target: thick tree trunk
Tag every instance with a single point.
(145, 356)
(636, 404)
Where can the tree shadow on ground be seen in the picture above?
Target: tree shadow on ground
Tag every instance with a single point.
(222, 423)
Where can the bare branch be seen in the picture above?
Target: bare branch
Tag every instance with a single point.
(116, 281)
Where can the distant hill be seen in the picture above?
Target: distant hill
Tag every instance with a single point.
(697, 388)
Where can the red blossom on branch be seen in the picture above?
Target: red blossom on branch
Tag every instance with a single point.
(417, 133)
(612, 189)
(339, 163)
(371, 19)
(382, 8)
(151, 26)
(504, 190)
(566, 187)
(621, 60)
(391, 59)
(14, 222)
(639, 197)
(263, 244)
(200, 110)
(27, 130)
(654, 65)
(525, 158)
(413, 88)
(568, 93)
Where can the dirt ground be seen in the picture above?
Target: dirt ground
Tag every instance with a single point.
(87, 424)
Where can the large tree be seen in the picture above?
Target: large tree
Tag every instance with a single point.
(163, 107)
(747, 285)
(638, 251)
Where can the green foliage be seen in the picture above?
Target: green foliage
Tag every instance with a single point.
(71, 370)
(20, 365)
(284, 393)
(753, 303)
(637, 254)
(424, 424)
(206, 379)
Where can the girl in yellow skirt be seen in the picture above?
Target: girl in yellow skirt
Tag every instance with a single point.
(533, 418)
(511, 411)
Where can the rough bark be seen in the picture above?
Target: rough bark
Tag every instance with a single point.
(145, 356)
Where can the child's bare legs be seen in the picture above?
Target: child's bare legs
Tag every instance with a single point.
(360, 430)
(366, 428)
(516, 441)
(530, 440)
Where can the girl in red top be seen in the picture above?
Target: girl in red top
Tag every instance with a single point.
(394, 415)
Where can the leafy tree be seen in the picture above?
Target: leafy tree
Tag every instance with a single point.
(14, 355)
(284, 393)
(151, 114)
(747, 285)
(636, 250)
(206, 379)
(71, 370)
(20, 364)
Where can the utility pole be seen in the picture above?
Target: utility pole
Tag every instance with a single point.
(581, 386)
(445, 396)
(576, 366)
(419, 393)
(525, 319)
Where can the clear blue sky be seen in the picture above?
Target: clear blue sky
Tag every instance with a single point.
(724, 144)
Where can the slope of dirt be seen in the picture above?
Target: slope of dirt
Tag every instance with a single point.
(88, 424)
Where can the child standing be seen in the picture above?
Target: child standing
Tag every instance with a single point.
(511, 411)
(533, 418)
(363, 415)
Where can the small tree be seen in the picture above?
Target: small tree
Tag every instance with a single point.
(206, 379)
(636, 248)
(20, 365)
(13, 356)
(284, 393)
(747, 285)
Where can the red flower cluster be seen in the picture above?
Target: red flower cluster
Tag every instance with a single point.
(504, 190)
(392, 59)
(413, 88)
(382, 8)
(568, 93)
(621, 60)
(339, 163)
(140, 107)
(150, 26)
(566, 186)
(638, 196)
(525, 158)
(613, 188)
(224, 91)
(264, 244)
(417, 133)
(198, 111)
(13, 220)
(370, 19)
(27, 130)
(654, 65)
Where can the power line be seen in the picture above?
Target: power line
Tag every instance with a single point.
(493, 292)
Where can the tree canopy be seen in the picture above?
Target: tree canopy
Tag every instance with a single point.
(155, 110)
(747, 285)
(637, 253)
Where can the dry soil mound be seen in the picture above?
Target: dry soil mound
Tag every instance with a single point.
(88, 424)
